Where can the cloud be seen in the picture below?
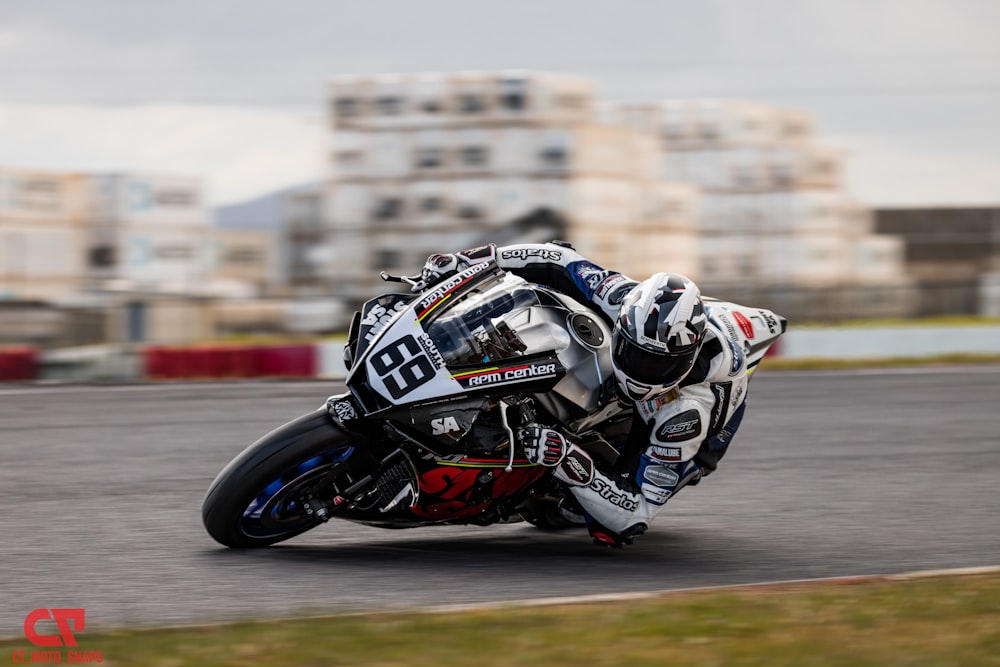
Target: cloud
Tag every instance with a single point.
(882, 173)
(242, 152)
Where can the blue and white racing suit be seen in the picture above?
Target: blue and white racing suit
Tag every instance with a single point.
(677, 437)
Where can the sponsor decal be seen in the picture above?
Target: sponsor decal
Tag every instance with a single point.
(655, 494)
(614, 496)
(737, 358)
(737, 395)
(609, 284)
(431, 350)
(769, 320)
(577, 468)
(68, 623)
(444, 290)
(728, 325)
(529, 253)
(378, 317)
(721, 391)
(479, 252)
(343, 411)
(668, 454)
(745, 325)
(661, 476)
(616, 297)
(588, 276)
(650, 407)
(444, 425)
(491, 376)
(684, 426)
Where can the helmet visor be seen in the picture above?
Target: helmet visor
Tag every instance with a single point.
(650, 367)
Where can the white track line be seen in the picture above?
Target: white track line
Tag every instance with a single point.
(625, 597)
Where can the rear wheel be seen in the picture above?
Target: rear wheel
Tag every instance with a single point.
(263, 495)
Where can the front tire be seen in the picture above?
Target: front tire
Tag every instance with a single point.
(255, 500)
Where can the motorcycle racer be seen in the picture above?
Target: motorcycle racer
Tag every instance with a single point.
(684, 376)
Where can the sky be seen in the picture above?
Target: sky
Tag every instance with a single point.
(234, 91)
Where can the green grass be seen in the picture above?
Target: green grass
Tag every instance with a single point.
(934, 621)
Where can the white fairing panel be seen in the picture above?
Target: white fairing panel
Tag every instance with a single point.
(404, 366)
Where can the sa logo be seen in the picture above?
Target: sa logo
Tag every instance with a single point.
(444, 425)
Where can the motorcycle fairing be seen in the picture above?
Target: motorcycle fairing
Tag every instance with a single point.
(749, 331)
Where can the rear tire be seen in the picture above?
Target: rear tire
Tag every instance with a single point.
(254, 501)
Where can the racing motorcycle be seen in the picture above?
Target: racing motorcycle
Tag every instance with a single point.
(438, 384)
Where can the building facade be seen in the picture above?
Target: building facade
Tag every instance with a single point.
(136, 251)
(741, 197)
(433, 163)
(773, 210)
(43, 235)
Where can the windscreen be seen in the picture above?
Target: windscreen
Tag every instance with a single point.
(482, 325)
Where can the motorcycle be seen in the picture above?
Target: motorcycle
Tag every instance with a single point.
(437, 386)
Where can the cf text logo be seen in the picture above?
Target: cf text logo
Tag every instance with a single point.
(68, 621)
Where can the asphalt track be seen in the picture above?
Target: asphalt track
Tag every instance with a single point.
(832, 474)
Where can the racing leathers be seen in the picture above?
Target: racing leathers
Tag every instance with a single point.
(676, 437)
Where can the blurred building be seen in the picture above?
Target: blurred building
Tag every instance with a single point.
(88, 258)
(43, 235)
(954, 254)
(775, 222)
(430, 163)
(741, 197)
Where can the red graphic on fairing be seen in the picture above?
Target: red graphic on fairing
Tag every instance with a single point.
(449, 492)
(744, 323)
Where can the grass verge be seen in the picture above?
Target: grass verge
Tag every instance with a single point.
(931, 621)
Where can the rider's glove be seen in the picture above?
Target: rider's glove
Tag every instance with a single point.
(444, 265)
(543, 446)
(438, 267)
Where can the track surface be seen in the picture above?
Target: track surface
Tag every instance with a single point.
(833, 473)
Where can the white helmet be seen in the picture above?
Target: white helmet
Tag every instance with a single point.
(659, 332)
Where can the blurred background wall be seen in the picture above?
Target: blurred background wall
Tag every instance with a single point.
(743, 192)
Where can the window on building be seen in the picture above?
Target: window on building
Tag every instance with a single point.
(431, 106)
(471, 103)
(349, 159)
(431, 204)
(386, 259)
(102, 256)
(388, 208)
(174, 252)
(473, 156)
(571, 102)
(512, 95)
(673, 131)
(470, 212)
(782, 174)
(554, 157)
(245, 255)
(345, 107)
(709, 130)
(428, 158)
(389, 105)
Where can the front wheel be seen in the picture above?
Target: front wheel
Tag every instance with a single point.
(257, 500)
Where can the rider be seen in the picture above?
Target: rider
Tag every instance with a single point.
(687, 385)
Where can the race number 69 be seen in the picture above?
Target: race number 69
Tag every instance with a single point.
(402, 366)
